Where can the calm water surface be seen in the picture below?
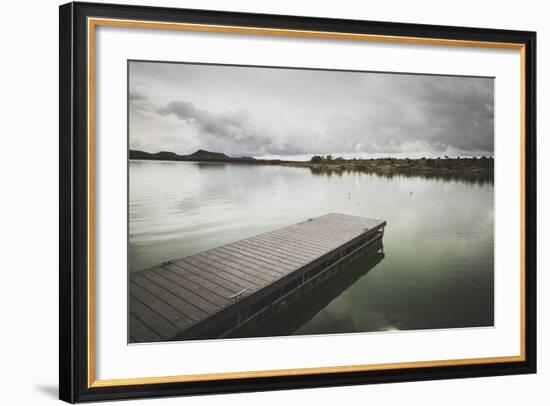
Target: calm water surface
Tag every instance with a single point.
(437, 266)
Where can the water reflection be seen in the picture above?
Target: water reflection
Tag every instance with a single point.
(479, 178)
(438, 269)
(290, 319)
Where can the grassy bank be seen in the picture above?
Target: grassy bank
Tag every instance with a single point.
(449, 168)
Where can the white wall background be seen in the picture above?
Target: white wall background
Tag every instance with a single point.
(29, 188)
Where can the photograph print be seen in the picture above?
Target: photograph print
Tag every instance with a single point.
(276, 201)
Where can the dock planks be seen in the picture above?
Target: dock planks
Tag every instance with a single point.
(183, 298)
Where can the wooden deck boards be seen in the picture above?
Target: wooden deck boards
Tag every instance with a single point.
(168, 299)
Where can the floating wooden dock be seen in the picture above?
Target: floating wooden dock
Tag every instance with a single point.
(219, 292)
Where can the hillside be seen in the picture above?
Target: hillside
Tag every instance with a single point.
(200, 155)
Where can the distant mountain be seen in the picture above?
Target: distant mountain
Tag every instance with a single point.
(202, 155)
(162, 155)
(199, 155)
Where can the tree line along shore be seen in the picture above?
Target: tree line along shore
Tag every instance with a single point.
(446, 167)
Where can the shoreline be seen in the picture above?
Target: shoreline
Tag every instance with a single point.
(469, 169)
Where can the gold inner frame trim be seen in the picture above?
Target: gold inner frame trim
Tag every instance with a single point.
(94, 22)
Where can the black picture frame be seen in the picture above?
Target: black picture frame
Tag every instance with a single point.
(74, 384)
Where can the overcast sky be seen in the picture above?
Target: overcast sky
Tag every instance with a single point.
(266, 112)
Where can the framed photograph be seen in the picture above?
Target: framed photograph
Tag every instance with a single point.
(254, 202)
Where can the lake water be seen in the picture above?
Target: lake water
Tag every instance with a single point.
(437, 266)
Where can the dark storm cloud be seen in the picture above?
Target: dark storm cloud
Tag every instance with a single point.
(262, 111)
(440, 112)
(231, 126)
(228, 129)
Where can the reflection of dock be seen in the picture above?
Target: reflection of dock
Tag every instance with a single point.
(217, 292)
(290, 319)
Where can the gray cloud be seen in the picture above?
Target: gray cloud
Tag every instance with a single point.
(266, 111)
(440, 113)
(136, 96)
(230, 132)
